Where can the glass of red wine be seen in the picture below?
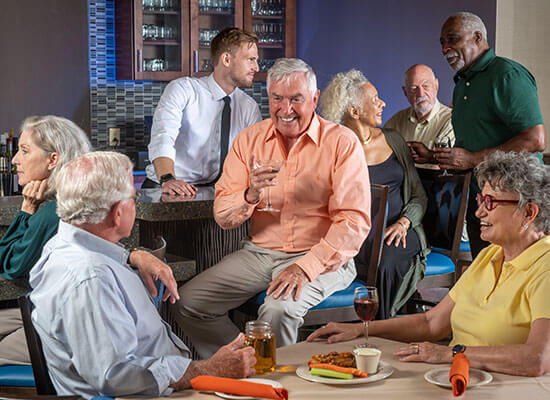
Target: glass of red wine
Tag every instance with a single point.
(444, 143)
(365, 302)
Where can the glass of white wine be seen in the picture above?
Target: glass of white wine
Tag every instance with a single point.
(275, 166)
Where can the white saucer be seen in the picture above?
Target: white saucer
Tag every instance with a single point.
(440, 377)
(275, 384)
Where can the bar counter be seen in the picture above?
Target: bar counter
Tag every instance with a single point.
(187, 224)
(194, 240)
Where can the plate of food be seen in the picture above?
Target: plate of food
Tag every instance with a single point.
(273, 383)
(440, 377)
(344, 373)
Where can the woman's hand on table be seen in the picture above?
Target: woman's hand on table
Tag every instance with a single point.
(337, 332)
(33, 195)
(425, 352)
(396, 233)
(151, 269)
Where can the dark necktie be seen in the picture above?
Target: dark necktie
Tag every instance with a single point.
(224, 139)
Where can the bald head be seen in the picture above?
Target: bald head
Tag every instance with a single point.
(421, 88)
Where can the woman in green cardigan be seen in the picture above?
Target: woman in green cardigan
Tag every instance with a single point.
(46, 143)
(351, 100)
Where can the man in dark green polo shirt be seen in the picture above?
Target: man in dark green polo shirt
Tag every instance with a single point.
(495, 105)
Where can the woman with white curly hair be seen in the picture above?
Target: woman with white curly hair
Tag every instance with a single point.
(351, 100)
(499, 311)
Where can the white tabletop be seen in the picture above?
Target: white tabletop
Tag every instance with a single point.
(407, 381)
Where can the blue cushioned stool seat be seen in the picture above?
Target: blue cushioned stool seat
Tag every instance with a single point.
(16, 375)
(437, 263)
(342, 298)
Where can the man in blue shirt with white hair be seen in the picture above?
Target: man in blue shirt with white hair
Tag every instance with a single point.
(100, 330)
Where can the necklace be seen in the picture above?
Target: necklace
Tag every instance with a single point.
(366, 141)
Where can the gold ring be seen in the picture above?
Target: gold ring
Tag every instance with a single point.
(416, 348)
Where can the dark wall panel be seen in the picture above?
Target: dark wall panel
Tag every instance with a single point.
(382, 39)
(44, 61)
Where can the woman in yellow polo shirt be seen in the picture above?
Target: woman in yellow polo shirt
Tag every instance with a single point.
(499, 310)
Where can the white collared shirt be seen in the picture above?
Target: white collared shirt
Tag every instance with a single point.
(187, 123)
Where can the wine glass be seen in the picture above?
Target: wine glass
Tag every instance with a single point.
(444, 143)
(365, 302)
(275, 166)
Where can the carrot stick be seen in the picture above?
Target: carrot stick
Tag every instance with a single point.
(354, 371)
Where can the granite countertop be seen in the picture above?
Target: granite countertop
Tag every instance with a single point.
(9, 207)
(152, 206)
(155, 206)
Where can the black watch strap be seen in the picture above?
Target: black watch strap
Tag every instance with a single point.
(458, 348)
(166, 178)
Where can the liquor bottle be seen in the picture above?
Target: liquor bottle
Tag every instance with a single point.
(15, 189)
(5, 173)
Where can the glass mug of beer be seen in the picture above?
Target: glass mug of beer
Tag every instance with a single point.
(258, 335)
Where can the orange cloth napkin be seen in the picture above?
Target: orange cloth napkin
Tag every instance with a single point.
(238, 388)
(459, 375)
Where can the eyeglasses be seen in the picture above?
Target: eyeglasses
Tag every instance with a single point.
(490, 202)
(136, 197)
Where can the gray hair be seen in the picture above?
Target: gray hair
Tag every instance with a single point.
(522, 173)
(284, 68)
(57, 135)
(343, 90)
(91, 184)
(471, 22)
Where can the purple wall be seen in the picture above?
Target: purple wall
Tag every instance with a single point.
(382, 39)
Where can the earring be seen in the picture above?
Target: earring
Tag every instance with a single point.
(524, 227)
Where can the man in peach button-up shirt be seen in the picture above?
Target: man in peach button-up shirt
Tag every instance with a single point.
(302, 252)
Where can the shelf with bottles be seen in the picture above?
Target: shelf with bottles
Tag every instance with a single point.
(216, 7)
(161, 6)
(268, 8)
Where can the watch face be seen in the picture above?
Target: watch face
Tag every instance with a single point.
(459, 348)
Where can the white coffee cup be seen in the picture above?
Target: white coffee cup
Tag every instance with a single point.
(367, 359)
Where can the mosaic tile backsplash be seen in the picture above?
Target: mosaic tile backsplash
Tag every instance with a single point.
(124, 104)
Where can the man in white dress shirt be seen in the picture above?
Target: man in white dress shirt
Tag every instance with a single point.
(188, 144)
(426, 121)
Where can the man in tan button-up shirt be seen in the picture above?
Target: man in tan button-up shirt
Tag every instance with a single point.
(426, 121)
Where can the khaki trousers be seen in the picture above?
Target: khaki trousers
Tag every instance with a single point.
(204, 301)
(13, 345)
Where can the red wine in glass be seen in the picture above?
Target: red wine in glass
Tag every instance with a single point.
(365, 302)
(365, 308)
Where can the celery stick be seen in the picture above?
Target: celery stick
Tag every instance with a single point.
(330, 374)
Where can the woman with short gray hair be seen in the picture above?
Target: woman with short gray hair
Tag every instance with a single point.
(499, 310)
(45, 144)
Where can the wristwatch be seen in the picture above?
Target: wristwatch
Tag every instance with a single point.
(458, 348)
(166, 178)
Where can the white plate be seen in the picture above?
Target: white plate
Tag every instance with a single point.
(440, 377)
(384, 370)
(275, 384)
